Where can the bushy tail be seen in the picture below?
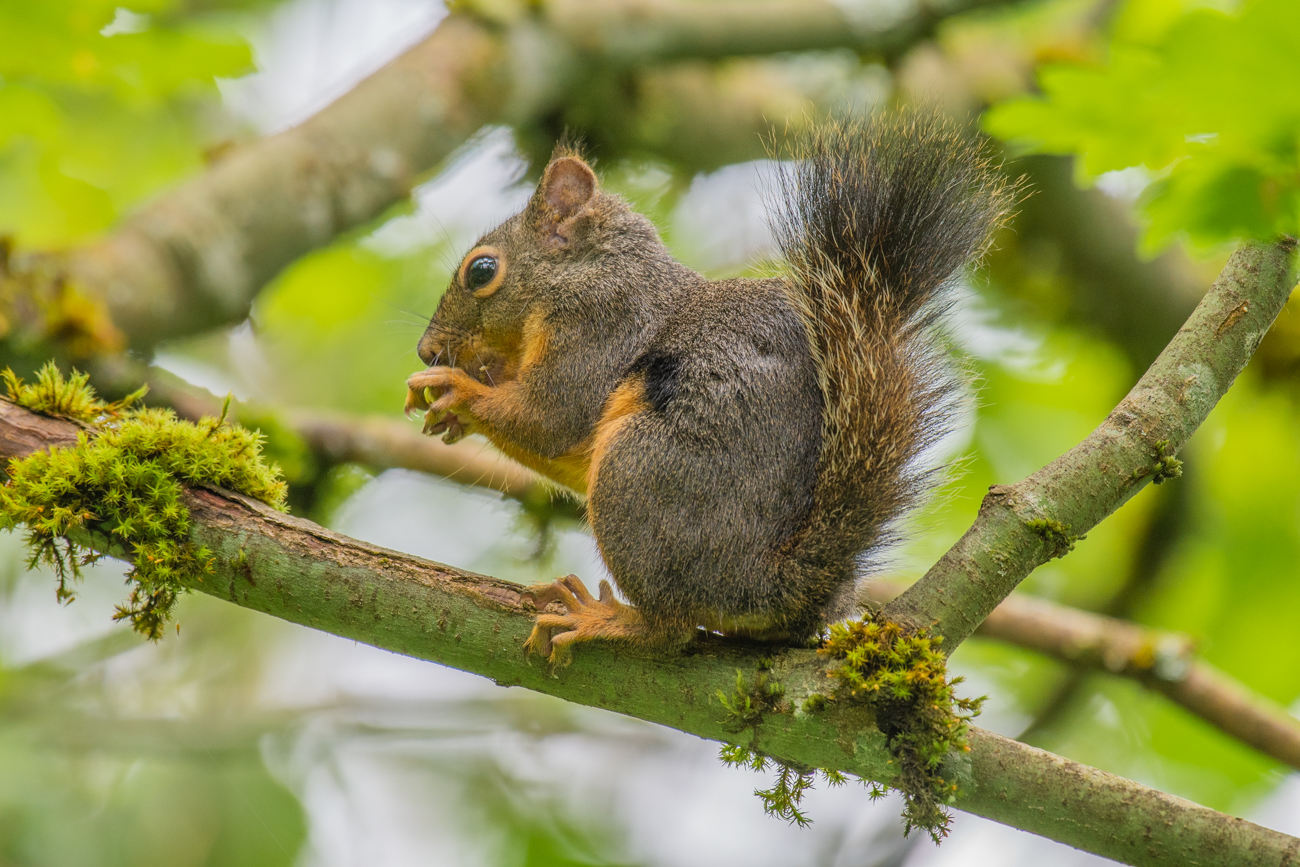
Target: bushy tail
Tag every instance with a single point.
(876, 218)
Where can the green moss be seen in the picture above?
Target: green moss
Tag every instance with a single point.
(902, 675)
(745, 708)
(1166, 466)
(1163, 468)
(125, 478)
(1055, 534)
(792, 782)
(72, 398)
(814, 703)
(748, 702)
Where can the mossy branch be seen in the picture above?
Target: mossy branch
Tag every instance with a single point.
(1165, 662)
(125, 477)
(1024, 525)
(269, 561)
(901, 675)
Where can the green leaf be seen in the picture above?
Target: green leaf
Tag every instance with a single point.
(1208, 100)
(91, 124)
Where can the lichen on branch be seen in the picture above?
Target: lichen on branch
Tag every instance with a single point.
(902, 675)
(125, 478)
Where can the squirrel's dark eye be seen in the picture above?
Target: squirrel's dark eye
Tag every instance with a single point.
(480, 272)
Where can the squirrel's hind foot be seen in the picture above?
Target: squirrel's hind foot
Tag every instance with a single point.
(587, 618)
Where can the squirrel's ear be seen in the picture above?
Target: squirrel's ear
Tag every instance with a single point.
(567, 186)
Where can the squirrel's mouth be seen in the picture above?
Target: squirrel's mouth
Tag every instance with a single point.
(484, 364)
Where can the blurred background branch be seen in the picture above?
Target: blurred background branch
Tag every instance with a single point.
(376, 442)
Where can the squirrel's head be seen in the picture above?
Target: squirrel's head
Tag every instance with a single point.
(572, 246)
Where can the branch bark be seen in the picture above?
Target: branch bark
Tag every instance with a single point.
(1161, 661)
(296, 570)
(1024, 525)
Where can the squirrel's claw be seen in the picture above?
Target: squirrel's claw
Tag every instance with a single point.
(417, 400)
(587, 617)
(446, 394)
(437, 417)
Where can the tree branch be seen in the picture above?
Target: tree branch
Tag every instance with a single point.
(1163, 529)
(1024, 525)
(296, 570)
(648, 31)
(1162, 661)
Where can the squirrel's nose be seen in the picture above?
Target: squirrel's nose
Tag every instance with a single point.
(428, 349)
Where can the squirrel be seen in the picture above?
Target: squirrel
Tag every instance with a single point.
(746, 446)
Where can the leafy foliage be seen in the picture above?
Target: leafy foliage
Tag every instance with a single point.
(101, 105)
(903, 676)
(1207, 100)
(126, 480)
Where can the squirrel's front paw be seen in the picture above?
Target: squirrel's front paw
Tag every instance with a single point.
(554, 635)
(448, 395)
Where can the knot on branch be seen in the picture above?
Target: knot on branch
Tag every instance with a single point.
(1057, 536)
(902, 675)
(125, 477)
